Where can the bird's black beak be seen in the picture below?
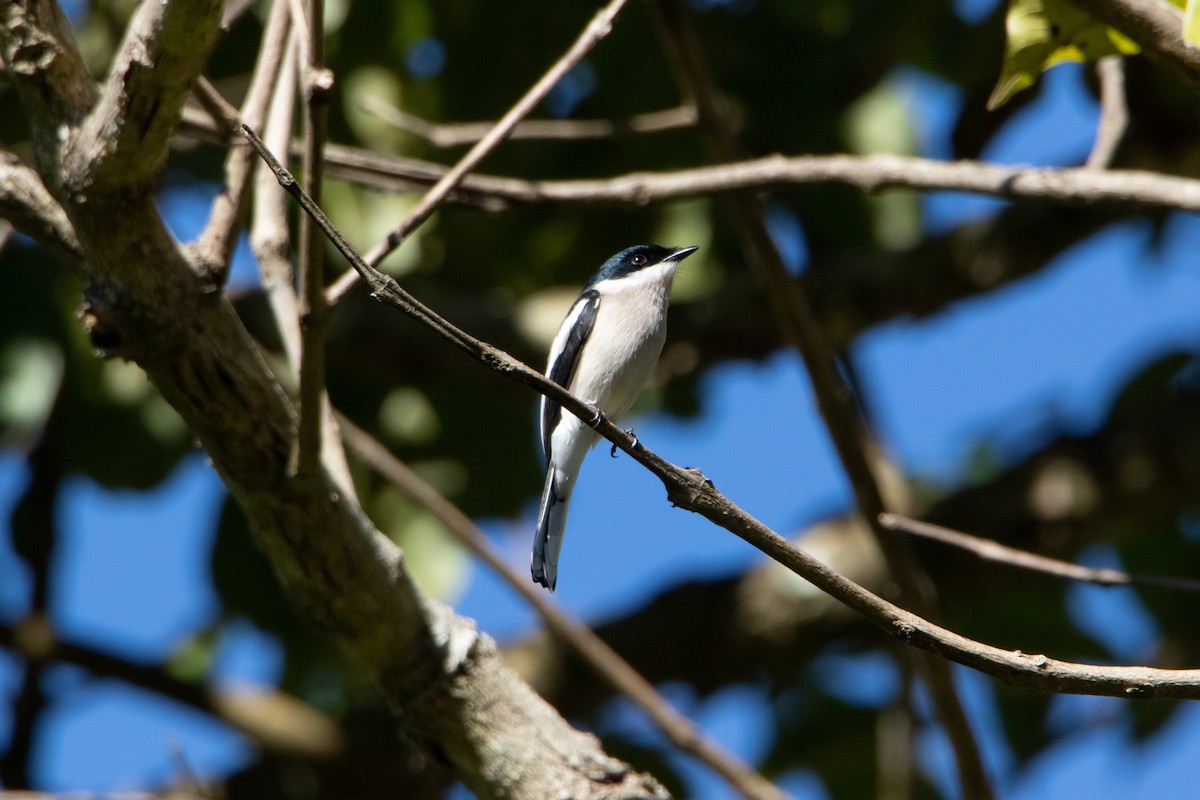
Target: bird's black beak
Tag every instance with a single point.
(681, 254)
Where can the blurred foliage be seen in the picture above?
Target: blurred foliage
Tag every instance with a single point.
(813, 77)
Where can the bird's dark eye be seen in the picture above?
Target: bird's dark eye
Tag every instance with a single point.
(638, 260)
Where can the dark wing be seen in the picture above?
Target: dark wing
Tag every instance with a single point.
(567, 360)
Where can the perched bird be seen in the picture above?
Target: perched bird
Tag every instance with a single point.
(604, 353)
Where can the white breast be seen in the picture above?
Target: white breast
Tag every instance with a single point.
(630, 329)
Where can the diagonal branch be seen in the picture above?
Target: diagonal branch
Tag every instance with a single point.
(123, 142)
(690, 490)
(597, 29)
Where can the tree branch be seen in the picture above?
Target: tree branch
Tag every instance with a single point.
(690, 490)
(1114, 112)
(123, 141)
(873, 173)
(267, 717)
(315, 84)
(990, 550)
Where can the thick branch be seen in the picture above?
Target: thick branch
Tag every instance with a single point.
(123, 142)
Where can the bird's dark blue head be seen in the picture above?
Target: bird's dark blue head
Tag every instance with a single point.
(638, 257)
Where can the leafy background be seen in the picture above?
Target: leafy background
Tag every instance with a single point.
(1029, 368)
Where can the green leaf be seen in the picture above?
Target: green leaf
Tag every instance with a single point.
(1043, 33)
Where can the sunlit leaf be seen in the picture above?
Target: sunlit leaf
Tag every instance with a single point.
(1043, 33)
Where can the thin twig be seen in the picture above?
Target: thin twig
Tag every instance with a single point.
(689, 489)
(315, 83)
(607, 663)
(448, 135)
(990, 550)
(1114, 112)
(217, 241)
(835, 398)
(596, 30)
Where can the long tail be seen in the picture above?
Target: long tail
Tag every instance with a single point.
(552, 523)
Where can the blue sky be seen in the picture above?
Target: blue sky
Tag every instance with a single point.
(991, 370)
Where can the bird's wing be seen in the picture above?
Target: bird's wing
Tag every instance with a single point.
(565, 357)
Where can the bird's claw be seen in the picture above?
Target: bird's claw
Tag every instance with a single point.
(636, 443)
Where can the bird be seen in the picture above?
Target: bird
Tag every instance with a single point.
(604, 353)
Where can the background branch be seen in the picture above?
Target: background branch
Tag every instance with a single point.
(315, 84)
(596, 30)
(990, 550)
(1114, 112)
(464, 133)
(220, 235)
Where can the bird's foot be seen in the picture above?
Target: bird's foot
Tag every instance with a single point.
(636, 443)
(597, 418)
